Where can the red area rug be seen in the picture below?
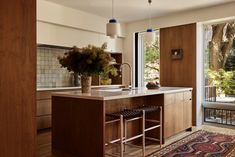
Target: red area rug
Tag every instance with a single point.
(200, 144)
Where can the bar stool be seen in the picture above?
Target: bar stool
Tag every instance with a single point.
(157, 123)
(126, 116)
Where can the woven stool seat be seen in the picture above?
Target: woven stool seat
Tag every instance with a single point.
(126, 114)
(148, 109)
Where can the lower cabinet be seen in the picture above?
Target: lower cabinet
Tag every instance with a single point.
(44, 109)
(177, 113)
(187, 121)
(43, 122)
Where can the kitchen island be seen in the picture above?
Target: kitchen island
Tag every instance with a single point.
(78, 120)
(44, 95)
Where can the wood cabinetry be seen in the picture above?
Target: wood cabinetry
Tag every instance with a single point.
(177, 113)
(17, 78)
(187, 119)
(82, 117)
(44, 109)
(179, 72)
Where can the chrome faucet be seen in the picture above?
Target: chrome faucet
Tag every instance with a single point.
(130, 73)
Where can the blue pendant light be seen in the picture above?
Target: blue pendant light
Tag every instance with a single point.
(113, 27)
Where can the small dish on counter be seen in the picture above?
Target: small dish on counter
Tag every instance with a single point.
(152, 85)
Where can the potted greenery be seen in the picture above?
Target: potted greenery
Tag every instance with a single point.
(109, 70)
(87, 61)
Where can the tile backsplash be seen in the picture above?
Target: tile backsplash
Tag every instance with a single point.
(49, 71)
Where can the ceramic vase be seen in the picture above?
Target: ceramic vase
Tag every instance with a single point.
(86, 83)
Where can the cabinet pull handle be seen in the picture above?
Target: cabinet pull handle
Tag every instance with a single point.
(190, 99)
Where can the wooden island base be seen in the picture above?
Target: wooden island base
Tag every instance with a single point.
(78, 124)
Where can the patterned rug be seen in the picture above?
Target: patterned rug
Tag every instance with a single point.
(200, 144)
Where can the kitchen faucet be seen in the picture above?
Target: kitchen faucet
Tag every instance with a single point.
(130, 73)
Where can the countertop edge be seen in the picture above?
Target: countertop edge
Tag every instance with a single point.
(74, 88)
(152, 92)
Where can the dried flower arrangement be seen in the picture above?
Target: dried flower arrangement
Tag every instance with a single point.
(87, 60)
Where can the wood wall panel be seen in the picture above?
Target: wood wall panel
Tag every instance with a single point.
(179, 72)
(78, 126)
(17, 78)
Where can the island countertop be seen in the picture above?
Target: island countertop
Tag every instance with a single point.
(111, 94)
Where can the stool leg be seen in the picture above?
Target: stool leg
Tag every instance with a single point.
(160, 127)
(121, 134)
(125, 134)
(143, 132)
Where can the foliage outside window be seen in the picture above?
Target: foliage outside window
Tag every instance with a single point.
(220, 60)
(152, 62)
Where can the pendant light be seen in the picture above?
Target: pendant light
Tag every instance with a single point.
(150, 35)
(113, 27)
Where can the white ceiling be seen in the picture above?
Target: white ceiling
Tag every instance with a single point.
(132, 10)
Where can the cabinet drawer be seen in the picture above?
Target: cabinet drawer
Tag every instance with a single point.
(43, 95)
(43, 122)
(187, 95)
(43, 107)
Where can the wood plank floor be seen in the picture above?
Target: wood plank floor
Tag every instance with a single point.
(44, 142)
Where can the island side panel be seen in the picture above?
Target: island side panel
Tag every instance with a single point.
(78, 126)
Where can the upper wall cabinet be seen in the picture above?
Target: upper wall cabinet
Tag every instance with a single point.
(51, 34)
(64, 26)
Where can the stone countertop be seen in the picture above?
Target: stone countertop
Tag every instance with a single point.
(117, 93)
(74, 88)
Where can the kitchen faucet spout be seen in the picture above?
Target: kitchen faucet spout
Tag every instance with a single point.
(130, 73)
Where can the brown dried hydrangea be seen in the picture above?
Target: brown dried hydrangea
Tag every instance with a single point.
(87, 60)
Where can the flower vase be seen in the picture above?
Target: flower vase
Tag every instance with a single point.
(86, 84)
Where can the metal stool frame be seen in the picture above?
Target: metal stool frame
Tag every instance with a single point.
(123, 137)
(158, 123)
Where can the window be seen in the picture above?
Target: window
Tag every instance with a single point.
(219, 65)
(219, 72)
(148, 60)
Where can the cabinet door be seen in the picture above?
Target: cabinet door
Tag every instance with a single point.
(187, 114)
(169, 125)
(174, 114)
(178, 113)
(187, 110)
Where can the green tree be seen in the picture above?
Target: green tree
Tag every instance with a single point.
(221, 44)
(152, 58)
(220, 58)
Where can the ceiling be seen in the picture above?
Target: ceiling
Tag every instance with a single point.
(132, 10)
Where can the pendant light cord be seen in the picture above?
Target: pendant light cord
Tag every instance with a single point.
(112, 9)
(150, 14)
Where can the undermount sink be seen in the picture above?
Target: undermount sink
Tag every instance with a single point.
(110, 89)
(114, 89)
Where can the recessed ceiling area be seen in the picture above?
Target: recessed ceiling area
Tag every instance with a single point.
(132, 10)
